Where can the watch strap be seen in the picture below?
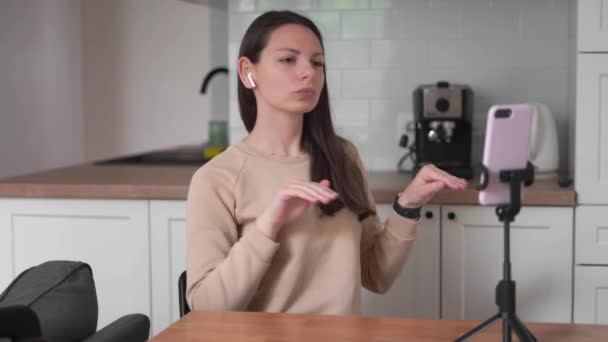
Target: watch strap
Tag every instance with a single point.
(411, 213)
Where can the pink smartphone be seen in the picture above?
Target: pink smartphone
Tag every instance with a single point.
(506, 147)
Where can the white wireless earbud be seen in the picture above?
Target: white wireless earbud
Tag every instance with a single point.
(251, 80)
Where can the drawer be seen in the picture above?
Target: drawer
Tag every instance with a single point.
(591, 235)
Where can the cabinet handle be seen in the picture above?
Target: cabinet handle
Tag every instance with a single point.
(451, 215)
(428, 215)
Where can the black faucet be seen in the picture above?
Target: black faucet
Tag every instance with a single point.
(210, 75)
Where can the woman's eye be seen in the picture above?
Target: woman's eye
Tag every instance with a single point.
(318, 63)
(288, 60)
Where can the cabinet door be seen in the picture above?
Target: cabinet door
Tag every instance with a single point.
(415, 293)
(110, 235)
(541, 259)
(591, 294)
(168, 232)
(592, 25)
(591, 235)
(591, 154)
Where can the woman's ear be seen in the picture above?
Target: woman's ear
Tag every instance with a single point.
(245, 69)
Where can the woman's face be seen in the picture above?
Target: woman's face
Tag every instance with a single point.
(289, 74)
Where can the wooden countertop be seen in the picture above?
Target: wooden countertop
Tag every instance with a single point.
(255, 326)
(171, 182)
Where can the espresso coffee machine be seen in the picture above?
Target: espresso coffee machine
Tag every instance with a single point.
(443, 114)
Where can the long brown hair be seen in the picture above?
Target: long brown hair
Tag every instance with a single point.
(330, 159)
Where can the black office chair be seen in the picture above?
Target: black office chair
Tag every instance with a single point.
(56, 301)
(181, 292)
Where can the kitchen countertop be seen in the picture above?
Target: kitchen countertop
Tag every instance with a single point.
(171, 182)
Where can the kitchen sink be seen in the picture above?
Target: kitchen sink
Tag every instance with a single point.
(185, 155)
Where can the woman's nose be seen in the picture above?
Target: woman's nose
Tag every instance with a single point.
(308, 70)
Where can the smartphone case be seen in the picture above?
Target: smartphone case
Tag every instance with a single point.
(506, 147)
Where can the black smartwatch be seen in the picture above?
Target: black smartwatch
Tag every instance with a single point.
(410, 213)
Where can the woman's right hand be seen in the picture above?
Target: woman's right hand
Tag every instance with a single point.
(291, 202)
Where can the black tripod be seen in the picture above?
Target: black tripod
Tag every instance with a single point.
(505, 290)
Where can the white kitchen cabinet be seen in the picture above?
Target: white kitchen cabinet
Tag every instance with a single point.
(416, 291)
(591, 235)
(591, 150)
(591, 294)
(591, 265)
(541, 259)
(110, 235)
(168, 244)
(592, 22)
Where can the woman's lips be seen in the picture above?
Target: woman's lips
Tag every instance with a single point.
(306, 92)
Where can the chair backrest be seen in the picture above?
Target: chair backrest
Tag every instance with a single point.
(181, 289)
(62, 295)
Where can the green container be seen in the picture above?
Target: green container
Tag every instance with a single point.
(218, 133)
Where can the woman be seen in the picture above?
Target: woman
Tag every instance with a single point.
(284, 221)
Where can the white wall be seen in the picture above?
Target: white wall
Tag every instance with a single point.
(86, 79)
(41, 120)
(144, 63)
(378, 51)
(218, 55)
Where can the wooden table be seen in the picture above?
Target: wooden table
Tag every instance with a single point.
(249, 326)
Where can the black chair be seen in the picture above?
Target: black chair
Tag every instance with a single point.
(181, 292)
(56, 301)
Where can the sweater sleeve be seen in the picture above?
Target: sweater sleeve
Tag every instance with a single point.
(224, 271)
(384, 246)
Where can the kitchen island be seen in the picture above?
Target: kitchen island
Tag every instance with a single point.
(128, 222)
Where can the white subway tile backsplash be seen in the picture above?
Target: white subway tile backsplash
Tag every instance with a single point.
(446, 4)
(452, 53)
(543, 53)
(238, 24)
(341, 4)
(422, 24)
(491, 24)
(350, 113)
(294, 5)
(522, 4)
(364, 84)
(241, 6)
(328, 23)
(347, 54)
(334, 83)
(401, 53)
(388, 124)
(479, 4)
(544, 23)
(361, 25)
(356, 134)
(384, 83)
(399, 4)
(498, 53)
(379, 51)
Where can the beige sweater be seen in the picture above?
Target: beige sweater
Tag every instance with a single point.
(317, 265)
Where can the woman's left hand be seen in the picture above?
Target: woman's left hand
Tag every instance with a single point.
(428, 181)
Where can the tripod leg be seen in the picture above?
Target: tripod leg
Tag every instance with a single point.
(478, 328)
(522, 332)
(506, 330)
